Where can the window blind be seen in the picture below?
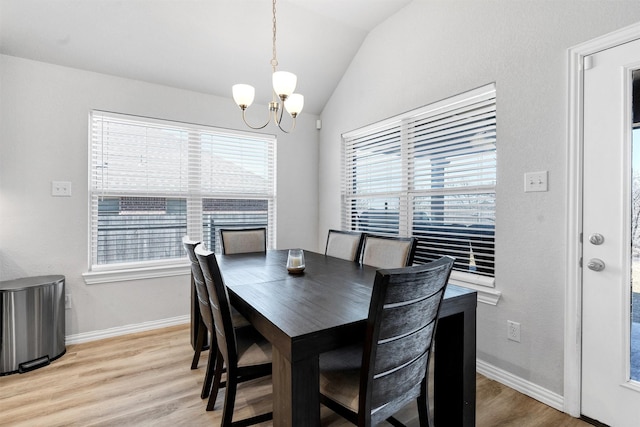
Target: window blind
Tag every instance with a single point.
(428, 173)
(154, 181)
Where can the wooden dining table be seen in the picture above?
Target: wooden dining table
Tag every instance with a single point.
(325, 307)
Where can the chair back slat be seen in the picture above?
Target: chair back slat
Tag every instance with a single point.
(403, 382)
(220, 308)
(402, 319)
(401, 351)
(198, 280)
(237, 241)
(409, 288)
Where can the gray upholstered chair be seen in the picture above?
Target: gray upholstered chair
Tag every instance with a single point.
(344, 244)
(388, 252)
(368, 383)
(245, 353)
(236, 241)
(242, 240)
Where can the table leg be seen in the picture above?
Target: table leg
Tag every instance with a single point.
(455, 370)
(296, 400)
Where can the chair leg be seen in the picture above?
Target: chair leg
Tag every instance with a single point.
(200, 339)
(229, 398)
(423, 403)
(216, 382)
(208, 376)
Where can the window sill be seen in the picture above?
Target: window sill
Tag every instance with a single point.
(139, 273)
(485, 286)
(481, 284)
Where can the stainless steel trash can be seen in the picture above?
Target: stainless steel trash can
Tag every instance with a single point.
(32, 323)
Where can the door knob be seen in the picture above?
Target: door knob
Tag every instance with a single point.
(596, 239)
(595, 264)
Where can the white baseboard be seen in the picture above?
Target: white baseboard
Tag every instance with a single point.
(528, 388)
(127, 329)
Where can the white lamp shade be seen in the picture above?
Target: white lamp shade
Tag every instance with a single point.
(284, 83)
(294, 104)
(243, 94)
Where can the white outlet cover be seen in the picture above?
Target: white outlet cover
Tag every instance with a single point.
(513, 331)
(61, 188)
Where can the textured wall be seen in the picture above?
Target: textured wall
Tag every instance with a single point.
(431, 50)
(44, 116)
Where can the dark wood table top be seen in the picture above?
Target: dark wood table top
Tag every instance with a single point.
(331, 293)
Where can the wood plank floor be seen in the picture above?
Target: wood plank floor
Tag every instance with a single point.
(144, 380)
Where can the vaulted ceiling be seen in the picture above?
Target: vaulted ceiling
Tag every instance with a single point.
(201, 45)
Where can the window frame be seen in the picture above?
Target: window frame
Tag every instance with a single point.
(194, 194)
(397, 188)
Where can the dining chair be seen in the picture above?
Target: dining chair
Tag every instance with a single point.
(388, 252)
(197, 281)
(236, 241)
(206, 330)
(344, 244)
(368, 383)
(242, 240)
(246, 354)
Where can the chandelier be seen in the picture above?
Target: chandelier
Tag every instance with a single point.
(284, 83)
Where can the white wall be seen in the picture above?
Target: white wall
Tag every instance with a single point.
(433, 49)
(44, 137)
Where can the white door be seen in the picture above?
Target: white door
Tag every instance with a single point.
(608, 394)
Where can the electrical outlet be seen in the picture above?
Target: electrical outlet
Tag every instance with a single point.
(61, 188)
(513, 331)
(67, 301)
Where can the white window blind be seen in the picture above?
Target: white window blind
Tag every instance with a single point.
(154, 181)
(429, 173)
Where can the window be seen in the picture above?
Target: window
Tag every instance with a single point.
(154, 181)
(429, 173)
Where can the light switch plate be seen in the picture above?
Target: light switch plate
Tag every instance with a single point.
(536, 181)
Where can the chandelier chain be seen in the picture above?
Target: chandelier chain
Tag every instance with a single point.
(274, 60)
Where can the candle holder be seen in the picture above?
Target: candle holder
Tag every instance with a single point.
(295, 261)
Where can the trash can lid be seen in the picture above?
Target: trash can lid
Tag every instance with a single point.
(29, 282)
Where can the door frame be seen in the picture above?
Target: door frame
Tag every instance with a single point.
(573, 283)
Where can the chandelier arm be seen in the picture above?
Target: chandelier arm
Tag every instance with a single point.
(278, 120)
(244, 119)
(293, 125)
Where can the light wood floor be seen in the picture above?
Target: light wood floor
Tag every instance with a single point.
(144, 380)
